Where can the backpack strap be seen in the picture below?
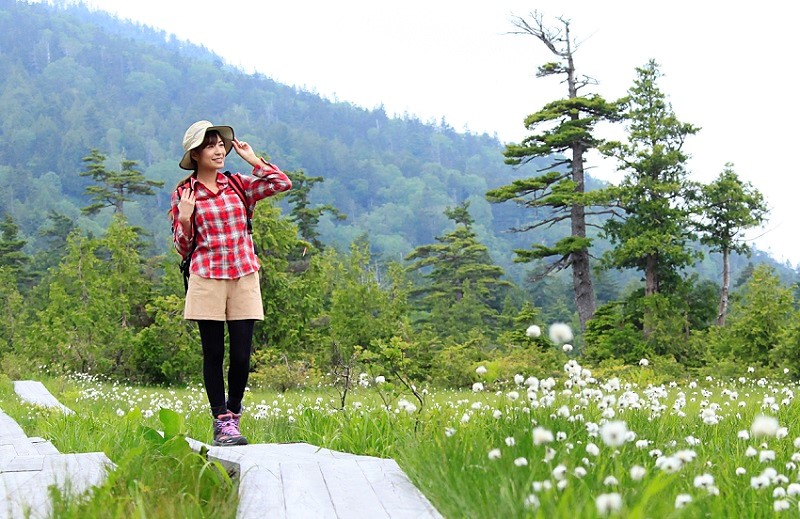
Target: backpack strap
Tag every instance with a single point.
(186, 261)
(236, 184)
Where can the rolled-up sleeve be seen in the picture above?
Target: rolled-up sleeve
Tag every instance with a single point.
(267, 180)
(182, 241)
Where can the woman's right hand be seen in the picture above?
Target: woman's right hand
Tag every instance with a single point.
(186, 206)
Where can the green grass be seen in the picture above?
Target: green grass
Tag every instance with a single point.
(443, 446)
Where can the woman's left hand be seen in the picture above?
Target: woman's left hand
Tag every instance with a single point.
(246, 152)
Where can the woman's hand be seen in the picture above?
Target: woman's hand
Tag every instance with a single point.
(186, 207)
(246, 152)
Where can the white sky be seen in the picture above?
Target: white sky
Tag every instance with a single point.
(728, 68)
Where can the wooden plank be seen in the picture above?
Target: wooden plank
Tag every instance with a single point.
(44, 448)
(350, 492)
(21, 446)
(300, 480)
(260, 491)
(24, 464)
(399, 496)
(78, 471)
(305, 491)
(9, 428)
(34, 392)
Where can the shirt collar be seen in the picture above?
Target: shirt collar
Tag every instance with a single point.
(222, 180)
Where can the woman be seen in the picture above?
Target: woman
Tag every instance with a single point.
(210, 224)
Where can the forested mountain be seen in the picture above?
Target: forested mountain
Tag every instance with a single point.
(74, 80)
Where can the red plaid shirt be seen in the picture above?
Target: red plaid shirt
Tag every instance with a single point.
(224, 247)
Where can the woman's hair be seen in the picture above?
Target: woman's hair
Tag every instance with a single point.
(210, 137)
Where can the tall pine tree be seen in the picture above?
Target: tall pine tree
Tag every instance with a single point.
(563, 132)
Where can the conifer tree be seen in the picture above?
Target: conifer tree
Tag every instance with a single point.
(114, 188)
(456, 267)
(563, 132)
(728, 207)
(302, 214)
(12, 257)
(653, 233)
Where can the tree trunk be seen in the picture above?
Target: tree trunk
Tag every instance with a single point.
(581, 271)
(651, 275)
(726, 281)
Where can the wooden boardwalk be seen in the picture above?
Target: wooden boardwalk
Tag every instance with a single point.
(29, 466)
(281, 481)
(299, 481)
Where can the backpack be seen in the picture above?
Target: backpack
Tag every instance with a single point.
(186, 261)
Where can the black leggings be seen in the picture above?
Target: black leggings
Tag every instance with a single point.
(212, 335)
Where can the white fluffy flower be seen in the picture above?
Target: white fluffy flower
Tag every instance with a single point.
(560, 333)
(592, 449)
(532, 501)
(510, 441)
(741, 471)
(644, 362)
(608, 503)
(521, 462)
(519, 379)
(764, 426)
(704, 481)
(560, 472)
(614, 434)
(682, 500)
(638, 472)
(759, 482)
(481, 370)
(766, 455)
(477, 387)
(533, 331)
(567, 348)
(494, 454)
(780, 505)
(380, 379)
(610, 481)
(541, 435)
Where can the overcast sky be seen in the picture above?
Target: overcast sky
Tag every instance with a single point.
(728, 68)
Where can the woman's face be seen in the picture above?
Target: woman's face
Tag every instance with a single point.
(211, 155)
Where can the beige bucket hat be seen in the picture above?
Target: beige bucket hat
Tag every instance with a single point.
(194, 137)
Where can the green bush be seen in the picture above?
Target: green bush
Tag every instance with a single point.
(168, 351)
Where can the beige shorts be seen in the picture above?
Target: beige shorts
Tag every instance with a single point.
(223, 299)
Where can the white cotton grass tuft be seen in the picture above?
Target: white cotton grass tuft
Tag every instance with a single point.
(567, 348)
(682, 500)
(533, 331)
(638, 472)
(608, 503)
(481, 370)
(560, 333)
(764, 426)
(614, 434)
(542, 435)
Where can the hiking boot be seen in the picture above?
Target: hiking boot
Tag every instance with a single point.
(226, 430)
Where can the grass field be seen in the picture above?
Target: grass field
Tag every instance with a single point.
(567, 447)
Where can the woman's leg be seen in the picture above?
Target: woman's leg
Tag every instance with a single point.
(241, 335)
(212, 336)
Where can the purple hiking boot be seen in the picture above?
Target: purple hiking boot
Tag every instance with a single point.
(226, 430)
